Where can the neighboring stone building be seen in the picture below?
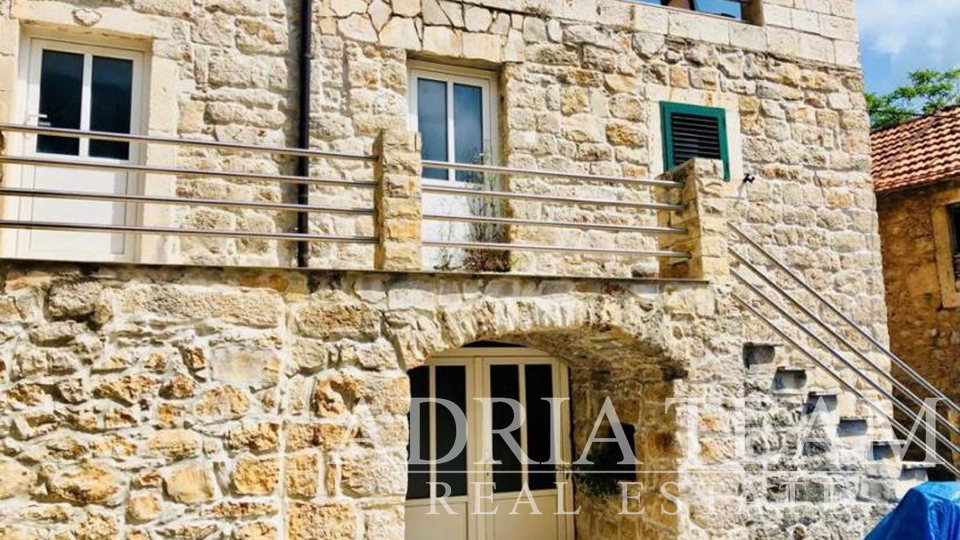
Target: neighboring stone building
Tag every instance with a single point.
(169, 372)
(916, 166)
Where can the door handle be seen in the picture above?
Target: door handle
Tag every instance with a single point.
(38, 117)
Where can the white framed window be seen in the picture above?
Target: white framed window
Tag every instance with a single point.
(455, 111)
(88, 87)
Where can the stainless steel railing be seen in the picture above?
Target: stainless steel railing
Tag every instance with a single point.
(900, 363)
(179, 172)
(163, 173)
(873, 375)
(553, 199)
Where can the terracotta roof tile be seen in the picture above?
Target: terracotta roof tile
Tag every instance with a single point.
(916, 153)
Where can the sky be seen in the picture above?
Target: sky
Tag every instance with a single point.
(899, 36)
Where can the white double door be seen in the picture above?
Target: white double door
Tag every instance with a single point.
(490, 492)
(74, 86)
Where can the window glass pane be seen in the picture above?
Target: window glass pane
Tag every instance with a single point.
(505, 383)
(539, 385)
(432, 119)
(725, 8)
(61, 86)
(110, 104)
(418, 475)
(451, 386)
(468, 128)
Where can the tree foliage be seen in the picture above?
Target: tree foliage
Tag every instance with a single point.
(928, 92)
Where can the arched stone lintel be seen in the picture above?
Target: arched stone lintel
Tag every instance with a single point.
(570, 327)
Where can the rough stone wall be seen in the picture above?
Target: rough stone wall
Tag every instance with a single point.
(190, 403)
(922, 331)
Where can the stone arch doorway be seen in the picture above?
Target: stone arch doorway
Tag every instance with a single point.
(598, 363)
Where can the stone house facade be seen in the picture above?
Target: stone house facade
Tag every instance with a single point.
(918, 198)
(160, 385)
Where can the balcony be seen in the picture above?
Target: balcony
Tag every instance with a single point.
(210, 203)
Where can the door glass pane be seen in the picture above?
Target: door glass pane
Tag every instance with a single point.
(432, 119)
(468, 128)
(451, 386)
(418, 475)
(110, 104)
(61, 87)
(539, 385)
(505, 384)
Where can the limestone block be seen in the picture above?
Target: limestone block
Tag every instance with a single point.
(256, 476)
(407, 8)
(257, 530)
(71, 300)
(144, 507)
(222, 402)
(190, 484)
(14, 478)
(88, 483)
(320, 521)
(401, 32)
(358, 27)
(255, 308)
(302, 476)
(486, 47)
(256, 437)
(477, 19)
(175, 444)
(442, 40)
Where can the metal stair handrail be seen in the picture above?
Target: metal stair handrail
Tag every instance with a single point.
(830, 330)
(847, 384)
(900, 363)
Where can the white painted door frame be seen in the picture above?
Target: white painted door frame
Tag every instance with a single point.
(477, 362)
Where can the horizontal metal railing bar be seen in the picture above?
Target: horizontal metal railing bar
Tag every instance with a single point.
(185, 201)
(433, 164)
(124, 137)
(441, 190)
(556, 224)
(566, 249)
(844, 382)
(175, 171)
(919, 379)
(883, 373)
(826, 346)
(138, 229)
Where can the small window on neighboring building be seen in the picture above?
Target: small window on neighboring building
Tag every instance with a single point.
(954, 215)
(454, 111)
(694, 132)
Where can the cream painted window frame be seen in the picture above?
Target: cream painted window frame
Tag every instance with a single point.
(943, 243)
(488, 83)
(32, 44)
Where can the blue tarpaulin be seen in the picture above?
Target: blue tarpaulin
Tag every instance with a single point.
(930, 511)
